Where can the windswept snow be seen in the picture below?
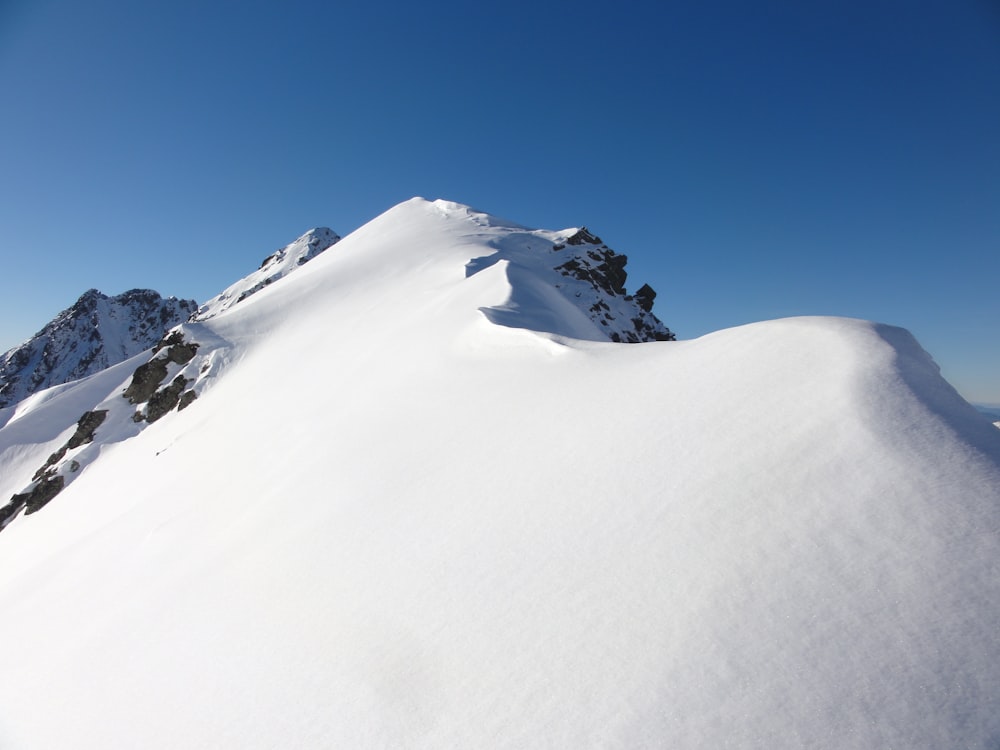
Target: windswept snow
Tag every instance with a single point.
(388, 521)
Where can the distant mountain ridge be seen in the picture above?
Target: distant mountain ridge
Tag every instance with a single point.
(97, 331)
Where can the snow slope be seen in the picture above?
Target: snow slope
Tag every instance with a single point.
(389, 521)
(275, 266)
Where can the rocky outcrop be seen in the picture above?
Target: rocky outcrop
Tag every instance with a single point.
(145, 386)
(626, 318)
(186, 399)
(46, 489)
(145, 380)
(165, 399)
(96, 332)
(49, 480)
(86, 427)
(157, 387)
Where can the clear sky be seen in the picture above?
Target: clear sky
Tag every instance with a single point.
(753, 159)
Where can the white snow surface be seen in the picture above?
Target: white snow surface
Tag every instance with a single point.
(390, 522)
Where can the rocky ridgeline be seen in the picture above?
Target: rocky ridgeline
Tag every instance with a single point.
(626, 318)
(48, 481)
(275, 266)
(96, 332)
(158, 386)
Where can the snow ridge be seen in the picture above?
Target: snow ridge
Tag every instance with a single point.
(417, 498)
(96, 332)
(578, 267)
(565, 282)
(275, 266)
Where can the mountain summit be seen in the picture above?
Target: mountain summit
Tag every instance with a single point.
(415, 495)
(96, 332)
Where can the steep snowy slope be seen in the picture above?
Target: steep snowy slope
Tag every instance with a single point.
(96, 332)
(388, 521)
(275, 266)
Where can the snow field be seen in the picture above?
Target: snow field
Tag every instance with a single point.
(388, 522)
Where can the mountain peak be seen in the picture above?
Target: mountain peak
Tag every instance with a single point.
(275, 266)
(91, 294)
(435, 517)
(97, 331)
(565, 282)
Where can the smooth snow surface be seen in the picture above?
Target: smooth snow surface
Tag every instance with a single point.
(390, 522)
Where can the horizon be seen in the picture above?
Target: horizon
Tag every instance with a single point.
(752, 163)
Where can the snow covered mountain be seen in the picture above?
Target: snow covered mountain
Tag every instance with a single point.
(275, 266)
(418, 497)
(96, 332)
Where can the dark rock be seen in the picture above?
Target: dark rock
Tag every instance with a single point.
(86, 426)
(569, 268)
(181, 354)
(52, 461)
(165, 399)
(613, 271)
(583, 237)
(173, 337)
(186, 399)
(147, 377)
(145, 380)
(9, 512)
(40, 494)
(644, 297)
(604, 270)
(178, 350)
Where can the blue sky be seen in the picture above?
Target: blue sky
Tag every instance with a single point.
(753, 160)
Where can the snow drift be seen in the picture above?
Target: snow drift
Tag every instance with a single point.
(422, 503)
